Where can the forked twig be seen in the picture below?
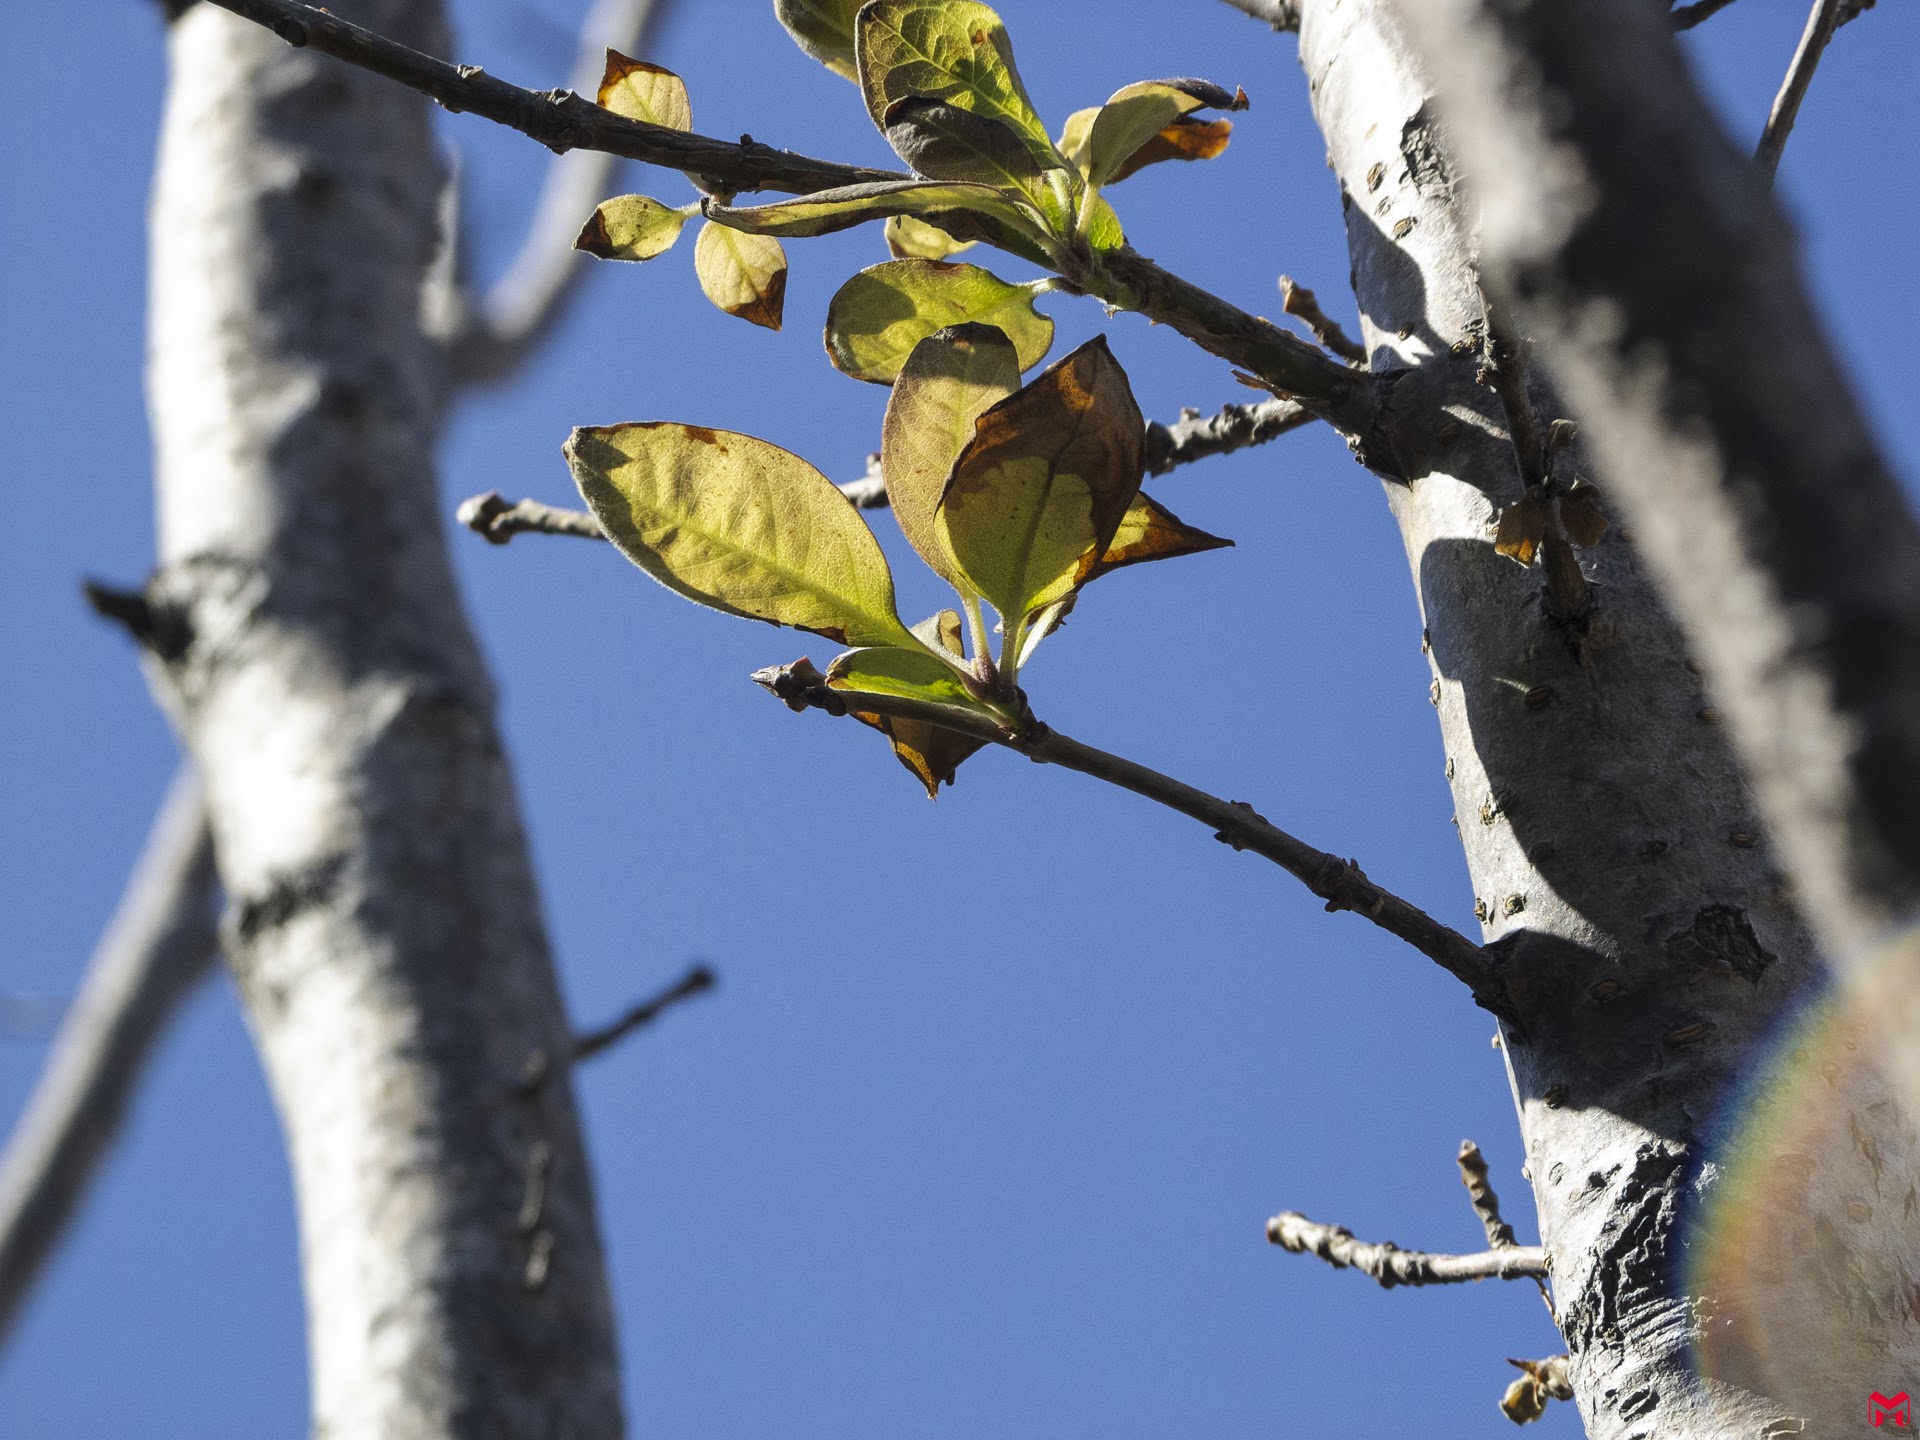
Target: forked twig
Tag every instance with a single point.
(1389, 1265)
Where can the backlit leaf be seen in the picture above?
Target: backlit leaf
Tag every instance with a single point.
(967, 211)
(738, 524)
(744, 274)
(1188, 138)
(947, 383)
(1074, 135)
(944, 142)
(824, 29)
(952, 50)
(908, 238)
(931, 752)
(1037, 495)
(878, 316)
(1103, 226)
(1150, 531)
(1137, 114)
(630, 227)
(640, 91)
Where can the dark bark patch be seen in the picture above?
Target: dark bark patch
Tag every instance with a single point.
(1721, 936)
(286, 896)
(1423, 147)
(1632, 1275)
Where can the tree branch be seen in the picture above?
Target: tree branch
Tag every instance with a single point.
(1822, 20)
(563, 121)
(159, 943)
(1388, 1264)
(1280, 14)
(698, 980)
(1486, 1204)
(1233, 427)
(524, 304)
(1688, 16)
(492, 518)
(1340, 883)
(1301, 303)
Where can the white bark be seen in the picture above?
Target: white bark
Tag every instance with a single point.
(1651, 951)
(384, 926)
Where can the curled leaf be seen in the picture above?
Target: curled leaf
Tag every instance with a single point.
(932, 753)
(824, 29)
(744, 274)
(630, 227)
(944, 142)
(951, 50)
(877, 317)
(1523, 525)
(1137, 114)
(951, 378)
(1150, 531)
(738, 524)
(908, 238)
(1188, 138)
(640, 91)
(1040, 490)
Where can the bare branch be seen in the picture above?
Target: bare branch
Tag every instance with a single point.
(698, 980)
(1388, 1264)
(1822, 20)
(1688, 16)
(1340, 883)
(528, 300)
(1280, 14)
(1301, 303)
(563, 121)
(1486, 1204)
(1233, 427)
(158, 945)
(492, 518)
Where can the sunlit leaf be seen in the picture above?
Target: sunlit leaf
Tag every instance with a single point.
(908, 238)
(738, 524)
(967, 211)
(1103, 226)
(929, 751)
(1150, 531)
(951, 50)
(1039, 492)
(947, 383)
(742, 273)
(942, 632)
(824, 29)
(640, 91)
(630, 227)
(1074, 135)
(878, 316)
(944, 142)
(1188, 138)
(1523, 525)
(1137, 114)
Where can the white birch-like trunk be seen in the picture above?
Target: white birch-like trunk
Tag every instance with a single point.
(1651, 950)
(384, 925)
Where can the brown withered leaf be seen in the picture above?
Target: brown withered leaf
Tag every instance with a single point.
(1580, 515)
(1187, 138)
(1150, 531)
(1523, 525)
(932, 754)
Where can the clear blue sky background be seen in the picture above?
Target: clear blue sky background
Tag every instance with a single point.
(980, 1131)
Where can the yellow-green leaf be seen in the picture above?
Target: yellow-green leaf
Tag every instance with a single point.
(1150, 531)
(824, 29)
(630, 227)
(1038, 493)
(640, 91)
(738, 524)
(1103, 226)
(908, 238)
(966, 210)
(1188, 138)
(1074, 134)
(930, 752)
(1136, 115)
(744, 274)
(951, 50)
(950, 380)
(877, 317)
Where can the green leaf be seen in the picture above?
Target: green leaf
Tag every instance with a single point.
(944, 142)
(1150, 531)
(951, 50)
(967, 211)
(878, 316)
(908, 238)
(1188, 138)
(1103, 226)
(740, 525)
(630, 227)
(824, 29)
(640, 91)
(950, 380)
(744, 274)
(1074, 135)
(1138, 113)
(1038, 493)
(932, 753)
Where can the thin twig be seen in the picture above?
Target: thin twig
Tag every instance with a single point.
(1233, 427)
(1301, 303)
(1342, 884)
(160, 942)
(1280, 14)
(1688, 16)
(696, 981)
(525, 303)
(492, 518)
(1486, 1204)
(563, 121)
(1821, 23)
(1388, 1264)
(1506, 372)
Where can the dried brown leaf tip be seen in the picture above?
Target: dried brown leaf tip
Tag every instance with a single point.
(1526, 1399)
(1522, 528)
(1536, 518)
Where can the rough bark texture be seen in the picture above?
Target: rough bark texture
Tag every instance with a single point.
(1609, 832)
(383, 923)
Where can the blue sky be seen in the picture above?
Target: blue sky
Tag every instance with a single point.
(980, 1130)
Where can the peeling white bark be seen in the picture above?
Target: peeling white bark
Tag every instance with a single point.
(384, 926)
(1652, 954)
